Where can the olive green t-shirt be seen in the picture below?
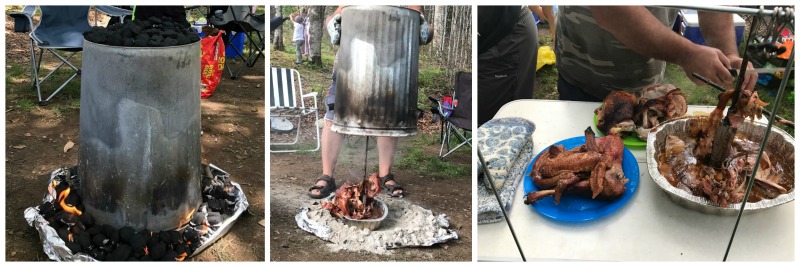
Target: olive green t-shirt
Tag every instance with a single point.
(594, 60)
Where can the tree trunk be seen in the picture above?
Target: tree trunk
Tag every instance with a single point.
(316, 19)
(277, 35)
(440, 31)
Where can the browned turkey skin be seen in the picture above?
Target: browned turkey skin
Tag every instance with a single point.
(627, 113)
(348, 201)
(593, 169)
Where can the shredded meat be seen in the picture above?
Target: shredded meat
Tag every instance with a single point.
(349, 200)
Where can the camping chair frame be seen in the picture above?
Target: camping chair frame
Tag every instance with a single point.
(27, 14)
(283, 103)
(254, 36)
(448, 129)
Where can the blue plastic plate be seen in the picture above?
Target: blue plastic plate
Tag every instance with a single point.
(577, 208)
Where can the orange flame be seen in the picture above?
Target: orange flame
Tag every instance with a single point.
(186, 220)
(70, 209)
(70, 237)
(51, 187)
(146, 252)
(204, 230)
(181, 257)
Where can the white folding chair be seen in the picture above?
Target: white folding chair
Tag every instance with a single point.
(286, 90)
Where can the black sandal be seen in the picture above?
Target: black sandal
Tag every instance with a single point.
(391, 188)
(324, 191)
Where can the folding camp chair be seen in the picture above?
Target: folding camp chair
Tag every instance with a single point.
(240, 19)
(456, 114)
(60, 28)
(286, 90)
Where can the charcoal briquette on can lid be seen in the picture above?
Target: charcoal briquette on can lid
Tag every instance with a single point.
(141, 33)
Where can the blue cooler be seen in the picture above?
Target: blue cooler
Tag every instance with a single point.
(691, 26)
(237, 40)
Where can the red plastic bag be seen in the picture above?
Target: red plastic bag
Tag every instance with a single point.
(212, 62)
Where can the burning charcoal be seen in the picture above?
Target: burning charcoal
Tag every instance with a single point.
(198, 218)
(157, 251)
(86, 220)
(99, 240)
(170, 255)
(191, 235)
(121, 253)
(181, 248)
(125, 234)
(216, 204)
(98, 254)
(214, 218)
(107, 230)
(77, 228)
(114, 237)
(93, 230)
(85, 240)
(175, 237)
(60, 187)
(163, 236)
(138, 243)
(63, 233)
(74, 247)
(47, 210)
(66, 218)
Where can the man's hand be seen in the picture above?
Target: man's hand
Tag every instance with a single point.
(750, 79)
(707, 61)
(335, 29)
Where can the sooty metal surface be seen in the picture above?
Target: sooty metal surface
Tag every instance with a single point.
(139, 155)
(376, 72)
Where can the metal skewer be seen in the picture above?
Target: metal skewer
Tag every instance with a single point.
(760, 153)
(500, 202)
(364, 180)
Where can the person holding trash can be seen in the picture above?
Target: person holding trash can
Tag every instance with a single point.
(325, 184)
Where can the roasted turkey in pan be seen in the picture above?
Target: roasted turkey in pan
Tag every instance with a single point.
(625, 113)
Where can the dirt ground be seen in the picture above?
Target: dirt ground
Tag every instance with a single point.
(232, 138)
(291, 174)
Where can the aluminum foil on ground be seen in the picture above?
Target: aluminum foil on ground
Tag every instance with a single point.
(779, 143)
(56, 249)
(407, 225)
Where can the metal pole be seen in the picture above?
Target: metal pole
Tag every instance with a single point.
(761, 150)
(500, 202)
(730, 9)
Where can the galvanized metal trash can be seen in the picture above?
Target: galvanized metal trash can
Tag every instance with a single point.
(139, 155)
(376, 72)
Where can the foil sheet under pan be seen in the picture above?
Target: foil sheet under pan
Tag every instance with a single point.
(57, 250)
(779, 143)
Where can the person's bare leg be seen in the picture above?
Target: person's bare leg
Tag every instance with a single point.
(387, 146)
(331, 144)
(551, 21)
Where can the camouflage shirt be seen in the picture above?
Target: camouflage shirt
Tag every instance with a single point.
(593, 59)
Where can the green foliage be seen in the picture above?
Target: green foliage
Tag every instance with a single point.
(25, 104)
